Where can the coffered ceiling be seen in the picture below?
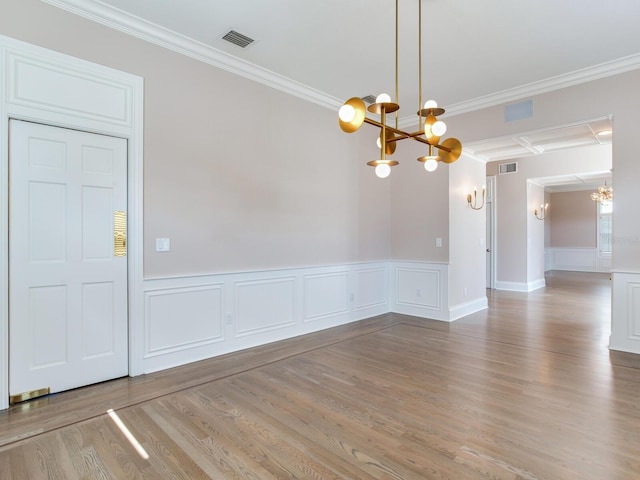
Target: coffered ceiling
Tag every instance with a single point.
(594, 132)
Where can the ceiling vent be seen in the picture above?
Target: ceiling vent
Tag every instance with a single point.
(508, 168)
(369, 99)
(237, 39)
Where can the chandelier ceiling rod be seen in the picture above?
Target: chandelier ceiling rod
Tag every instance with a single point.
(397, 90)
(354, 113)
(419, 60)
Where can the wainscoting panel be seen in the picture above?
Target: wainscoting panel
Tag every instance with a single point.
(263, 305)
(605, 263)
(372, 286)
(420, 289)
(577, 260)
(625, 333)
(182, 318)
(193, 318)
(633, 290)
(326, 295)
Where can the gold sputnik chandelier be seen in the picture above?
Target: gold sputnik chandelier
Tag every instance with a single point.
(604, 194)
(353, 114)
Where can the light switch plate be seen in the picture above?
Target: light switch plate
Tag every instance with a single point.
(163, 244)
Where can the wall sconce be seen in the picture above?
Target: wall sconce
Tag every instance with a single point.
(543, 211)
(475, 198)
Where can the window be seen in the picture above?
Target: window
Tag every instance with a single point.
(605, 232)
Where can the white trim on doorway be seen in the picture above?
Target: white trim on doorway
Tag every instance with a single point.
(78, 94)
(491, 233)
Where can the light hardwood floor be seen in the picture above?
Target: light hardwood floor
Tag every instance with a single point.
(526, 390)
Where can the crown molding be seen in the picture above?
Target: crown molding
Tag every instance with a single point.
(533, 181)
(607, 69)
(130, 24)
(135, 26)
(473, 157)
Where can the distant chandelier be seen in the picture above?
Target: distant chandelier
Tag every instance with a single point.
(603, 195)
(353, 114)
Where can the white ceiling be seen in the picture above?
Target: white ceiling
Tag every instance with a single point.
(475, 53)
(472, 50)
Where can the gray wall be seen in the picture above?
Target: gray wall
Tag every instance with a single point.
(573, 220)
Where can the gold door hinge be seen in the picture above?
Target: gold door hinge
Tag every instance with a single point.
(119, 233)
(24, 396)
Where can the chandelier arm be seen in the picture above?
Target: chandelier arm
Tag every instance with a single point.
(442, 147)
(403, 135)
(414, 135)
(417, 137)
(379, 124)
(395, 139)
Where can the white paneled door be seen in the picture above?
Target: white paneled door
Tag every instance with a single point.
(67, 258)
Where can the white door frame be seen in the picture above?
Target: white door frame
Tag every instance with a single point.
(491, 245)
(102, 100)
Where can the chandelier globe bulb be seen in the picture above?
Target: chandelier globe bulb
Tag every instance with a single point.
(383, 170)
(439, 128)
(346, 113)
(431, 164)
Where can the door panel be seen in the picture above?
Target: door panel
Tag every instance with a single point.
(67, 290)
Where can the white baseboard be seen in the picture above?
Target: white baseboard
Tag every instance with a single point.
(521, 286)
(536, 284)
(467, 308)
